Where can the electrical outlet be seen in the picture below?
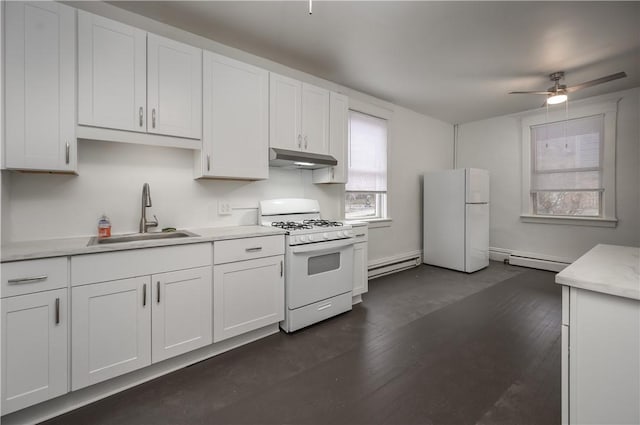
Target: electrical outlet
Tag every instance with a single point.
(224, 208)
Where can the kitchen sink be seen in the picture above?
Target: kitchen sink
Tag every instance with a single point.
(137, 237)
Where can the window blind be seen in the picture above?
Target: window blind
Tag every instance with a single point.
(567, 155)
(367, 153)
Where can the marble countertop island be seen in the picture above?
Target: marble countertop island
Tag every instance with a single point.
(30, 250)
(608, 269)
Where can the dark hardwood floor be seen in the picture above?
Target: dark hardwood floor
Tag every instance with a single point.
(428, 345)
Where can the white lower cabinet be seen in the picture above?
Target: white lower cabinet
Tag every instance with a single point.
(181, 312)
(34, 348)
(247, 295)
(360, 259)
(111, 330)
(601, 358)
(248, 285)
(121, 323)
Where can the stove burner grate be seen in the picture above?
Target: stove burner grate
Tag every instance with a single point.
(291, 225)
(323, 223)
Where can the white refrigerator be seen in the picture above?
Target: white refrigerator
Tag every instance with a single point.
(456, 219)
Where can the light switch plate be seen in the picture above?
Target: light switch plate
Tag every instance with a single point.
(224, 208)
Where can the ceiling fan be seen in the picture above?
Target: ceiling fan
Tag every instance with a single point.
(558, 92)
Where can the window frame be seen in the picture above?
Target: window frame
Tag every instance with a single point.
(534, 170)
(609, 111)
(385, 114)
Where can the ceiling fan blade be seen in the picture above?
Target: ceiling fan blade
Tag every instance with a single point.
(596, 81)
(531, 92)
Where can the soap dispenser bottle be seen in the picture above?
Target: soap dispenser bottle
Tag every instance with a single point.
(104, 227)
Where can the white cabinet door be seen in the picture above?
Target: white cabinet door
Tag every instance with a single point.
(247, 295)
(338, 141)
(360, 272)
(40, 84)
(112, 68)
(285, 109)
(111, 330)
(315, 119)
(34, 348)
(235, 140)
(181, 313)
(174, 81)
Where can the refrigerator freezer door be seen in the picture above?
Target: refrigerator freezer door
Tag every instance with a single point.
(444, 211)
(477, 237)
(477, 182)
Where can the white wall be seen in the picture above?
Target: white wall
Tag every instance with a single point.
(43, 206)
(416, 144)
(495, 144)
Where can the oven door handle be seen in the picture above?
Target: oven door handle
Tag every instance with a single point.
(322, 246)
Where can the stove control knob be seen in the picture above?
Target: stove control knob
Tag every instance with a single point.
(325, 236)
(340, 234)
(348, 233)
(294, 240)
(304, 239)
(310, 238)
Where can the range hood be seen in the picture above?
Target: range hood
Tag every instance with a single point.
(295, 159)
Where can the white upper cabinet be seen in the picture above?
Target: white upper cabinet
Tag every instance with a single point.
(315, 119)
(285, 108)
(235, 139)
(133, 81)
(112, 68)
(338, 141)
(40, 86)
(174, 81)
(299, 115)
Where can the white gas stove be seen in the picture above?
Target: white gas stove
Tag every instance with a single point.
(318, 261)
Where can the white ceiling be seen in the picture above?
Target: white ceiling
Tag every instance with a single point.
(455, 61)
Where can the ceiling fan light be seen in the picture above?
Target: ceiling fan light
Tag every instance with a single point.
(556, 99)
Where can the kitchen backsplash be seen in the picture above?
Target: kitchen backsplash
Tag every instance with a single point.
(111, 175)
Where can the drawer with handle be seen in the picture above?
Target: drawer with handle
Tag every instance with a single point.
(233, 250)
(25, 277)
(361, 233)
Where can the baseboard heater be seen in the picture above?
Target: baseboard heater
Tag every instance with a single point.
(394, 266)
(536, 263)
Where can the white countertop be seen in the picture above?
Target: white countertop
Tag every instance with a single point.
(30, 250)
(609, 269)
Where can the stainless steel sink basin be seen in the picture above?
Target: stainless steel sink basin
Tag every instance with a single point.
(137, 237)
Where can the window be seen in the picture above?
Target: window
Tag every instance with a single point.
(568, 165)
(566, 169)
(366, 190)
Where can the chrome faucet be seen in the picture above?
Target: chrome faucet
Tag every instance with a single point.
(146, 202)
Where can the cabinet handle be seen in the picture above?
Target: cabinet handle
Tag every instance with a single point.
(144, 295)
(57, 311)
(153, 118)
(66, 153)
(299, 140)
(27, 280)
(333, 173)
(359, 235)
(306, 142)
(281, 268)
(158, 290)
(254, 249)
(140, 115)
(208, 162)
(324, 307)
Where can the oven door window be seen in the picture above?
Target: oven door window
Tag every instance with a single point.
(323, 263)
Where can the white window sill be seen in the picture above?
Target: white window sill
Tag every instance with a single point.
(574, 221)
(373, 223)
